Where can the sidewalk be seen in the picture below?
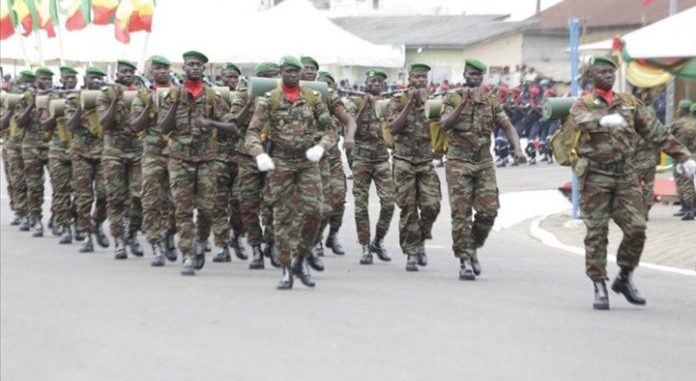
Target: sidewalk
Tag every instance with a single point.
(670, 241)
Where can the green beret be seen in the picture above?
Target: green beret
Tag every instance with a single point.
(598, 60)
(325, 74)
(309, 60)
(230, 65)
(160, 60)
(693, 108)
(476, 64)
(95, 71)
(418, 67)
(685, 104)
(376, 73)
(27, 75)
(44, 71)
(264, 67)
(66, 70)
(127, 63)
(192, 54)
(290, 61)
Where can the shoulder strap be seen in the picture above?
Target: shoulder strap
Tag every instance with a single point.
(274, 100)
(210, 95)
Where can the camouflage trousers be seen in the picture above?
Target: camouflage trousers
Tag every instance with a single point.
(364, 173)
(685, 189)
(296, 197)
(250, 185)
(471, 186)
(602, 197)
(646, 178)
(16, 186)
(158, 205)
(88, 178)
(333, 182)
(418, 196)
(122, 183)
(226, 207)
(267, 213)
(192, 186)
(62, 205)
(35, 160)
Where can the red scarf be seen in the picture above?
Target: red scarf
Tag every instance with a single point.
(607, 95)
(291, 92)
(193, 87)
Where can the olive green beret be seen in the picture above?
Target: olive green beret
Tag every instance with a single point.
(27, 75)
(264, 67)
(160, 60)
(65, 70)
(325, 74)
(95, 71)
(376, 73)
(309, 60)
(693, 108)
(685, 104)
(230, 65)
(290, 61)
(127, 63)
(46, 72)
(419, 67)
(192, 54)
(476, 64)
(598, 60)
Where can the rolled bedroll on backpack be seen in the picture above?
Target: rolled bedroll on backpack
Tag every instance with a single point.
(42, 101)
(556, 108)
(259, 86)
(10, 99)
(433, 108)
(222, 91)
(381, 108)
(88, 99)
(56, 108)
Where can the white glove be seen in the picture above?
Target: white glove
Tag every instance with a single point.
(264, 162)
(315, 153)
(612, 120)
(688, 167)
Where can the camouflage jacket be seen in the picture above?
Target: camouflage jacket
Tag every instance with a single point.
(238, 100)
(617, 145)
(686, 133)
(295, 127)
(227, 145)
(412, 142)
(154, 142)
(61, 136)
(119, 139)
(335, 106)
(87, 139)
(369, 141)
(34, 135)
(470, 138)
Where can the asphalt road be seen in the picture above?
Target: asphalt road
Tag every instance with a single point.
(71, 316)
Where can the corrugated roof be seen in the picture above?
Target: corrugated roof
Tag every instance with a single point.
(430, 31)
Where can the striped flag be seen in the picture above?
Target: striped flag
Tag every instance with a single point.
(7, 22)
(103, 11)
(47, 11)
(78, 14)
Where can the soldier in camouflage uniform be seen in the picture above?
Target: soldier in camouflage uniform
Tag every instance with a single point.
(370, 164)
(121, 161)
(301, 130)
(610, 124)
(226, 212)
(87, 172)
(470, 116)
(34, 146)
(250, 181)
(417, 185)
(682, 129)
(158, 206)
(186, 114)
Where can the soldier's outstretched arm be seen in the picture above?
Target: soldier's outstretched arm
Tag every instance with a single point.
(348, 122)
(325, 123)
(653, 131)
(252, 140)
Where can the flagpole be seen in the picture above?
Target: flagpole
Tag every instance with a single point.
(38, 45)
(141, 63)
(27, 62)
(60, 42)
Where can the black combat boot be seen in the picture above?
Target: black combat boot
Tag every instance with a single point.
(300, 270)
(466, 271)
(134, 245)
(102, 239)
(66, 238)
(682, 209)
(38, 229)
(624, 284)
(257, 262)
(689, 213)
(315, 262)
(198, 259)
(377, 247)
(158, 255)
(601, 298)
(238, 246)
(475, 264)
(187, 266)
(286, 281)
(333, 244)
(318, 249)
(79, 234)
(207, 246)
(411, 263)
(223, 255)
(87, 246)
(50, 225)
(170, 250)
(16, 220)
(366, 258)
(271, 252)
(120, 249)
(25, 225)
(421, 257)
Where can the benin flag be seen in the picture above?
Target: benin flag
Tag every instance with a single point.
(78, 14)
(141, 19)
(48, 16)
(25, 11)
(123, 15)
(103, 11)
(7, 23)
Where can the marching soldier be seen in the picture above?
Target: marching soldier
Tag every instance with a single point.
(682, 129)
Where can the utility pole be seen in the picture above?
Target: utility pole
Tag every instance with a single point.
(669, 108)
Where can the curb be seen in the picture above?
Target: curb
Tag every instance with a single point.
(547, 238)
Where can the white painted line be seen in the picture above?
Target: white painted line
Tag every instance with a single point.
(548, 239)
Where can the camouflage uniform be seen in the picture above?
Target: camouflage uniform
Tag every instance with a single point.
(370, 164)
(608, 181)
(295, 184)
(416, 183)
(60, 169)
(684, 129)
(122, 169)
(34, 155)
(645, 161)
(14, 168)
(192, 151)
